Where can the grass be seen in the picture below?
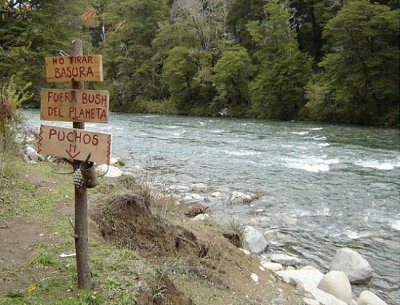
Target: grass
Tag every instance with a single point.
(46, 259)
(116, 271)
(239, 229)
(21, 197)
(32, 191)
(116, 274)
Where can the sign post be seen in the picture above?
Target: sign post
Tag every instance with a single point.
(81, 203)
(76, 144)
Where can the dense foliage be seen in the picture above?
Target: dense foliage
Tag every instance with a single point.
(325, 60)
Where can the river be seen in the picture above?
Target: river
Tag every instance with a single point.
(322, 186)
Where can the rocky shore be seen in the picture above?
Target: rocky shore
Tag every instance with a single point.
(347, 267)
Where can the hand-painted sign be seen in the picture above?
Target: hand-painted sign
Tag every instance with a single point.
(74, 144)
(70, 105)
(74, 68)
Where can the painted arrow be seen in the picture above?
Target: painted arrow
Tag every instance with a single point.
(74, 144)
(72, 151)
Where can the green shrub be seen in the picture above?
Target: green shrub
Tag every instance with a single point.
(11, 97)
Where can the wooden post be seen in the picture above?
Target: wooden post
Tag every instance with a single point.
(81, 204)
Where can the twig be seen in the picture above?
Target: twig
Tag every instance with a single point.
(70, 222)
(188, 241)
(219, 265)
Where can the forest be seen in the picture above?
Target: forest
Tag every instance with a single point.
(321, 60)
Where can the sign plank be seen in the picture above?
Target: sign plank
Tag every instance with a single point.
(70, 105)
(74, 68)
(74, 144)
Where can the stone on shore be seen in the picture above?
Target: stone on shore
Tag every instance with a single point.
(31, 154)
(337, 284)
(284, 259)
(323, 297)
(271, 266)
(201, 217)
(254, 277)
(254, 240)
(113, 160)
(357, 269)
(109, 171)
(308, 277)
(246, 252)
(369, 298)
(308, 301)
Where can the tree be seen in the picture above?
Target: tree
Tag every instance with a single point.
(361, 70)
(186, 74)
(206, 18)
(169, 36)
(32, 30)
(130, 70)
(231, 79)
(239, 14)
(308, 19)
(185, 50)
(99, 21)
(278, 89)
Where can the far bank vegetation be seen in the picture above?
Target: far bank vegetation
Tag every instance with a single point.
(323, 60)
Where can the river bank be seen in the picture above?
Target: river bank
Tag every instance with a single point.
(38, 262)
(306, 278)
(322, 187)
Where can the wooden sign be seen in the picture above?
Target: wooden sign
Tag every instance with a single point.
(74, 68)
(74, 144)
(74, 105)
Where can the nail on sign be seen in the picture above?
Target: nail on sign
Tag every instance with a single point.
(74, 144)
(74, 68)
(74, 105)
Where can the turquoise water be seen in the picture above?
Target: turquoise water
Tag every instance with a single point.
(323, 186)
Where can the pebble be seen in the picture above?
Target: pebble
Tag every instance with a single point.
(271, 266)
(254, 277)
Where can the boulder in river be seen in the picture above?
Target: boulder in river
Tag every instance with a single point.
(337, 284)
(199, 187)
(239, 197)
(254, 240)
(357, 269)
